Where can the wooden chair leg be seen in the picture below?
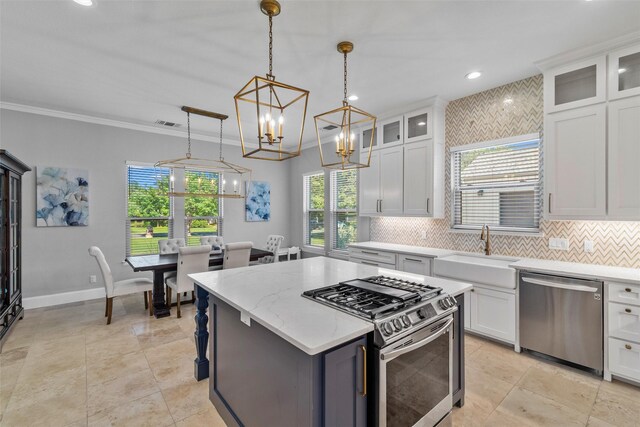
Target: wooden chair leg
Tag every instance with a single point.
(169, 297)
(193, 297)
(178, 298)
(150, 303)
(106, 306)
(109, 309)
(146, 301)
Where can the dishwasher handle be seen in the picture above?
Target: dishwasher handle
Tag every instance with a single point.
(580, 288)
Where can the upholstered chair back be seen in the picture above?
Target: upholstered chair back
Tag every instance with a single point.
(212, 241)
(95, 252)
(191, 259)
(169, 246)
(236, 255)
(273, 245)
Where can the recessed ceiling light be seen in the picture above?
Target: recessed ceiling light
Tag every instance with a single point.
(473, 75)
(84, 2)
(422, 123)
(353, 97)
(621, 70)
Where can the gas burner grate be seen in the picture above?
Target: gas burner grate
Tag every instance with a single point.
(406, 285)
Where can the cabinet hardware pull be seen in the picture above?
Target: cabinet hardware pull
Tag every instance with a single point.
(370, 263)
(414, 260)
(427, 205)
(473, 290)
(364, 371)
(370, 253)
(380, 205)
(627, 310)
(627, 346)
(627, 289)
(549, 202)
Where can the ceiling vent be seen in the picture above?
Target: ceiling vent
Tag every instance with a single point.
(330, 127)
(169, 124)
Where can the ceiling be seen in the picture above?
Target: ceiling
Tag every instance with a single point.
(139, 61)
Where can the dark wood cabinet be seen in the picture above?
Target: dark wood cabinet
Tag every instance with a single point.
(11, 171)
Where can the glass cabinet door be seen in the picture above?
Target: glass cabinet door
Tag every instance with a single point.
(366, 140)
(391, 132)
(575, 85)
(418, 125)
(624, 72)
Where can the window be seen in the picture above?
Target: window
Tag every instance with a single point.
(148, 208)
(203, 215)
(344, 208)
(497, 183)
(313, 188)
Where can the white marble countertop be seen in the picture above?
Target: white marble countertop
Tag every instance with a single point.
(271, 295)
(403, 249)
(590, 271)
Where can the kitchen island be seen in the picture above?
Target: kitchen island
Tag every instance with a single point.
(278, 358)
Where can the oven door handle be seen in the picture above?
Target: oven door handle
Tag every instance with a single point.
(392, 355)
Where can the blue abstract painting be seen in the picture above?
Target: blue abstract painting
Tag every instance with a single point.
(62, 197)
(258, 204)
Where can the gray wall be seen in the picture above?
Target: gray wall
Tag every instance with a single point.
(55, 259)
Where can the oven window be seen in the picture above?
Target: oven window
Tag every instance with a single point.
(416, 382)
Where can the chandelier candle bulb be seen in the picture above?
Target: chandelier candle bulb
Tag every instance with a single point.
(280, 123)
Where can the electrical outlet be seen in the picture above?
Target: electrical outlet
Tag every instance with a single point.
(559, 244)
(424, 235)
(93, 279)
(588, 246)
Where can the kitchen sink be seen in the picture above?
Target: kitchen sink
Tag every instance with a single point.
(488, 270)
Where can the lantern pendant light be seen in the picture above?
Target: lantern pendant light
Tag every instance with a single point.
(343, 123)
(270, 114)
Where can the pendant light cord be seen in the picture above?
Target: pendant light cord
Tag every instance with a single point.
(221, 158)
(345, 77)
(270, 45)
(188, 135)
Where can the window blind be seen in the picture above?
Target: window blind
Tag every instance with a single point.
(203, 215)
(148, 209)
(498, 185)
(344, 208)
(313, 188)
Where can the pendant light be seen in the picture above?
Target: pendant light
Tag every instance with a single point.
(270, 114)
(341, 124)
(209, 177)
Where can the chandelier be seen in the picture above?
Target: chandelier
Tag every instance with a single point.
(270, 114)
(343, 122)
(205, 177)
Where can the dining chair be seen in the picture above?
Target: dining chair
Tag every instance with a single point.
(170, 246)
(273, 245)
(121, 287)
(236, 255)
(213, 241)
(191, 259)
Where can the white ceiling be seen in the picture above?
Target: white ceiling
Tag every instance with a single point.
(139, 61)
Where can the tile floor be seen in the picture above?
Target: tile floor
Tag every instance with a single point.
(64, 366)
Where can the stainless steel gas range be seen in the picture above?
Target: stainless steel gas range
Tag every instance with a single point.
(413, 343)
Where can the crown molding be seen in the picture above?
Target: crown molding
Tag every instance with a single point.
(588, 51)
(110, 122)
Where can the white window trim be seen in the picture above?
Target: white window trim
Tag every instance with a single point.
(339, 253)
(305, 211)
(507, 231)
(219, 218)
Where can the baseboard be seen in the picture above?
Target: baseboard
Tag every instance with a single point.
(62, 298)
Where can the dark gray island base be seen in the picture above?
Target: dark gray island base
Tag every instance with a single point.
(259, 379)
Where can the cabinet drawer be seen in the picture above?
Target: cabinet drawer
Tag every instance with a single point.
(624, 358)
(625, 293)
(372, 255)
(624, 322)
(414, 264)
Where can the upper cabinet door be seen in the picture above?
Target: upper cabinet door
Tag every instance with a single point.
(418, 125)
(575, 170)
(575, 85)
(367, 137)
(624, 159)
(391, 181)
(369, 185)
(391, 132)
(624, 72)
(418, 174)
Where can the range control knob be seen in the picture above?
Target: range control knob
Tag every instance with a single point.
(387, 329)
(422, 313)
(443, 303)
(406, 320)
(398, 324)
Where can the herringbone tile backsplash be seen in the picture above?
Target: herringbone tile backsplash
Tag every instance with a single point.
(486, 116)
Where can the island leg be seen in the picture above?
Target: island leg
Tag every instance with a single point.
(201, 363)
(160, 308)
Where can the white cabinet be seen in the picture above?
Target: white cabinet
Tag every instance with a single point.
(624, 293)
(624, 358)
(391, 132)
(623, 330)
(493, 313)
(369, 184)
(368, 136)
(391, 181)
(373, 257)
(624, 72)
(422, 169)
(624, 322)
(414, 264)
(624, 159)
(418, 125)
(575, 167)
(575, 85)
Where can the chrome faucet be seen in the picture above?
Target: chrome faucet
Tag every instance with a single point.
(487, 240)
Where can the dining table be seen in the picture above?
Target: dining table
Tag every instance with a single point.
(164, 263)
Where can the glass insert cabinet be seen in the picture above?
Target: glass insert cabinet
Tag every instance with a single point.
(11, 171)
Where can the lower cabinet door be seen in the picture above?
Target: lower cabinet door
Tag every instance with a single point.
(493, 313)
(624, 358)
(624, 322)
(345, 385)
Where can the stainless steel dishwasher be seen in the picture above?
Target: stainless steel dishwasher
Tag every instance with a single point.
(562, 317)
